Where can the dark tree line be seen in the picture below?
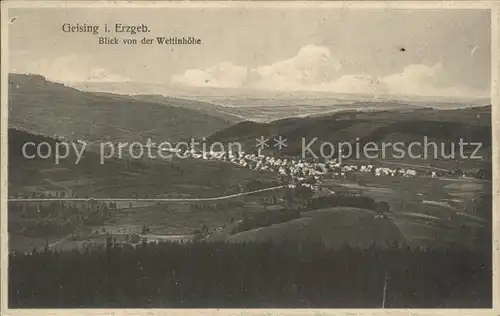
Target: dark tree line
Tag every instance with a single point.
(168, 275)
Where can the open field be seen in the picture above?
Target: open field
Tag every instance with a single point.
(428, 212)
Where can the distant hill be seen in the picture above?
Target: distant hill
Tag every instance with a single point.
(199, 106)
(472, 124)
(49, 108)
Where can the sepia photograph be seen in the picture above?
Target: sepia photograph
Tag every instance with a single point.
(247, 156)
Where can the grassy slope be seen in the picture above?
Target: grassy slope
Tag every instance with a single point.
(334, 227)
(122, 178)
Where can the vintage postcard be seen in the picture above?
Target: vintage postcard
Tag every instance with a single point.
(249, 158)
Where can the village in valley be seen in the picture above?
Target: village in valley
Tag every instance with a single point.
(248, 202)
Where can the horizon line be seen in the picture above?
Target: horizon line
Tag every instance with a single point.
(243, 89)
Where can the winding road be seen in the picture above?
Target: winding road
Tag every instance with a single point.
(224, 197)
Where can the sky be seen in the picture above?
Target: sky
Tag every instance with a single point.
(410, 52)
